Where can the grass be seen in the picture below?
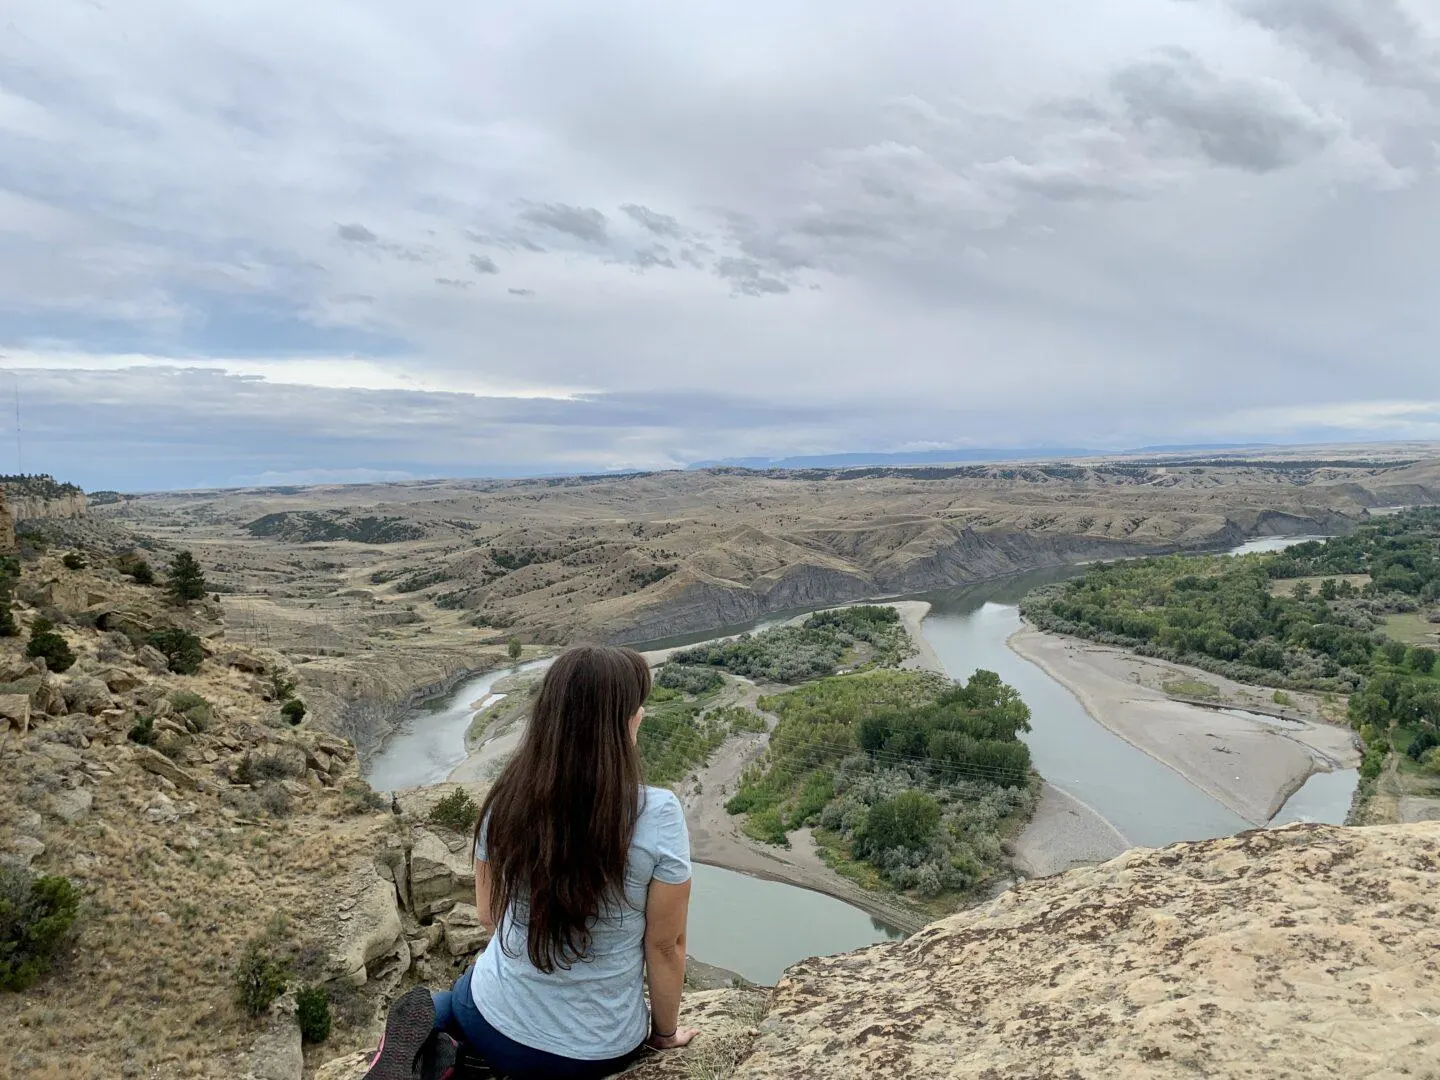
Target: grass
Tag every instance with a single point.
(1412, 628)
(1286, 586)
(1191, 688)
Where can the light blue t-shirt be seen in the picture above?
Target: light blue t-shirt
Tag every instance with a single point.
(595, 1009)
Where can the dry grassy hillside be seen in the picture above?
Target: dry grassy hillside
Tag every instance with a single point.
(637, 557)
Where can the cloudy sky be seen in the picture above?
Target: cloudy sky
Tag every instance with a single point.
(270, 241)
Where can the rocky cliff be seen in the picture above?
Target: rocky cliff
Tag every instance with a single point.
(1300, 952)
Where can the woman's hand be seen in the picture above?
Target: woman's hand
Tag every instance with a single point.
(681, 1036)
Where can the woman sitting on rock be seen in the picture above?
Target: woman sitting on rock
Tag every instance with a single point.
(583, 875)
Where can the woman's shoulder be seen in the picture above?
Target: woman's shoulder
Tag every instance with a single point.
(658, 801)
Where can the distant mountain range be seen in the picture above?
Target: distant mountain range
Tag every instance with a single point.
(952, 457)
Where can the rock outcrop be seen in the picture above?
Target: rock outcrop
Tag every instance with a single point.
(1298, 952)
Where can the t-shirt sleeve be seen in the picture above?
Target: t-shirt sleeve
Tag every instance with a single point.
(672, 840)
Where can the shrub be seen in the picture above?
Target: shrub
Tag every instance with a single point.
(36, 917)
(259, 976)
(1421, 742)
(456, 812)
(186, 581)
(46, 644)
(143, 731)
(138, 569)
(766, 826)
(515, 648)
(276, 800)
(182, 649)
(1422, 659)
(194, 708)
(312, 1011)
(74, 561)
(907, 821)
(1280, 697)
(358, 797)
(689, 678)
(293, 710)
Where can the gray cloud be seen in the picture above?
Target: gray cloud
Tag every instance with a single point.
(355, 233)
(582, 222)
(747, 276)
(1061, 252)
(657, 223)
(483, 264)
(521, 292)
(1379, 39)
(453, 283)
(1253, 124)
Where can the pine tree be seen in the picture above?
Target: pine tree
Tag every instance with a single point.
(186, 580)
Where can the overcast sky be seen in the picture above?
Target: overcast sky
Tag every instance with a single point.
(281, 241)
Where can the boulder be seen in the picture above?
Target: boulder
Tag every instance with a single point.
(152, 660)
(277, 1053)
(463, 933)
(15, 712)
(162, 810)
(87, 694)
(369, 928)
(23, 851)
(438, 875)
(118, 680)
(17, 668)
(244, 661)
(154, 762)
(71, 805)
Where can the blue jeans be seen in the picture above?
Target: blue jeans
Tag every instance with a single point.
(457, 1016)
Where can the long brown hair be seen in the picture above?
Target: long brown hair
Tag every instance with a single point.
(559, 820)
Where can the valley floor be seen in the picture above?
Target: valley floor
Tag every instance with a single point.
(1250, 764)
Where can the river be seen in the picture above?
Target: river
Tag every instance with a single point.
(1150, 804)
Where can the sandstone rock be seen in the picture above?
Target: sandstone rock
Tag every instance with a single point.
(244, 661)
(277, 1054)
(15, 712)
(23, 851)
(463, 933)
(72, 805)
(17, 668)
(87, 694)
(152, 660)
(371, 929)
(162, 810)
(117, 680)
(1287, 953)
(438, 875)
(154, 762)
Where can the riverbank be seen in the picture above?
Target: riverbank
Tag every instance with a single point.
(1249, 763)
(1064, 833)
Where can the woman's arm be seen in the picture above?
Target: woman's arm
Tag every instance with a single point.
(482, 895)
(666, 911)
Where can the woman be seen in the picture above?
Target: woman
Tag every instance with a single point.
(583, 875)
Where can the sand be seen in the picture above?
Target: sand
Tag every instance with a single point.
(1065, 833)
(1249, 764)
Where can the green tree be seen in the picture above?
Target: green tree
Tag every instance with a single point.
(137, 569)
(182, 649)
(186, 582)
(1422, 659)
(906, 821)
(293, 710)
(46, 644)
(9, 574)
(312, 1012)
(456, 812)
(515, 648)
(259, 977)
(1394, 652)
(36, 917)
